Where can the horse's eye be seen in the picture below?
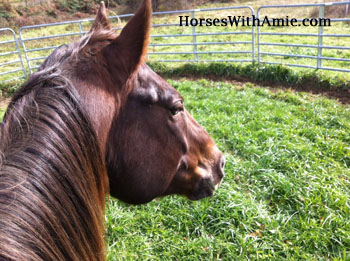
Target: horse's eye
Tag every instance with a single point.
(177, 107)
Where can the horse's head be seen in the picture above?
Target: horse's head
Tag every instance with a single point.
(153, 146)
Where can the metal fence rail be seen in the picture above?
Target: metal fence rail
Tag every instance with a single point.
(8, 64)
(186, 44)
(320, 39)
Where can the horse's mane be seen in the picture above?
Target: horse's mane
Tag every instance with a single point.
(53, 178)
(52, 174)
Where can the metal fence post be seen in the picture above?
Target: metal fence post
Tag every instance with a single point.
(81, 29)
(194, 40)
(19, 54)
(320, 38)
(258, 35)
(253, 37)
(25, 50)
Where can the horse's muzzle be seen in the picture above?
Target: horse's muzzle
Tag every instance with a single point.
(207, 186)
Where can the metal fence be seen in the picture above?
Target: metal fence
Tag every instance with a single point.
(11, 64)
(42, 45)
(320, 36)
(35, 47)
(192, 43)
(196, 39)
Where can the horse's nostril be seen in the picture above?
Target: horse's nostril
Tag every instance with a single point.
(223, 161)
(221, 165)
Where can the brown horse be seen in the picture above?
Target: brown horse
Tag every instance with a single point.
(95, 119)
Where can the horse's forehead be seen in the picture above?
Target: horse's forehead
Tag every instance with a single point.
(154, 87)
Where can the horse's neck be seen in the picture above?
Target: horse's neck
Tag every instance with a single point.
(51, 181)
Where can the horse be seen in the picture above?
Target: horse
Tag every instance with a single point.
(95, 120)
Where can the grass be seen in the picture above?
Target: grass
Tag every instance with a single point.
(9, 88)
(286, 191)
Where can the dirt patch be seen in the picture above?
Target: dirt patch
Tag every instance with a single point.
(341, 95)
(332, 11)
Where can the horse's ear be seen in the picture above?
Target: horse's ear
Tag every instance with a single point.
(131, 44)
(101, 20)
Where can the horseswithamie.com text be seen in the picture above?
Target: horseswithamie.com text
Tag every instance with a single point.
(252, 21)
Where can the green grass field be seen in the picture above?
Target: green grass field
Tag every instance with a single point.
(286, 190)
